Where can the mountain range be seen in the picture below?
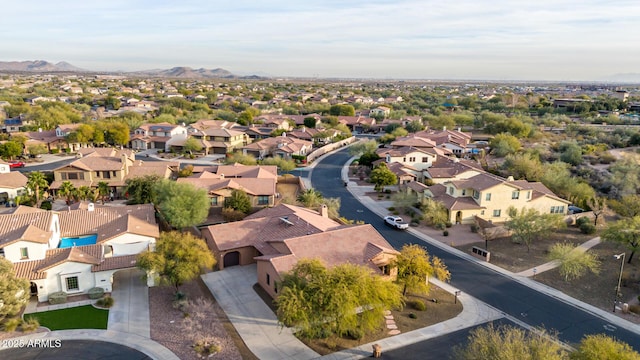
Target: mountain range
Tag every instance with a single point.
(176, 72)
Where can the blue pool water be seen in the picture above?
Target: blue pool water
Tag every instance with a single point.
(78, 241)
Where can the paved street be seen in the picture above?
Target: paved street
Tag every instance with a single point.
(514, 296)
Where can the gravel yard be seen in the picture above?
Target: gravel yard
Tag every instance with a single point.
(171, 328)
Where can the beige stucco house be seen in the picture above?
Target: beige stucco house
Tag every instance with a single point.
(75, 250)
(277, 238)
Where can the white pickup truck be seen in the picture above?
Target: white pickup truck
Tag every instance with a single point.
(396, 222)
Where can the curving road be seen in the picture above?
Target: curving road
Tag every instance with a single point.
(503, 293)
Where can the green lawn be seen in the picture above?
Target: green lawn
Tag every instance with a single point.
(82, 317)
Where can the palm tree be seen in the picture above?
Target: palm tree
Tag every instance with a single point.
(67, 190)
(103, 190)
(310, 198)
(83, 193)
(37, 184)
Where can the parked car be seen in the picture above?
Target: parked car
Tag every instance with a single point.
(396, 222)
(16, 164)
(574, 209)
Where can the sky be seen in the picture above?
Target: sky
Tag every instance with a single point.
(562, 40)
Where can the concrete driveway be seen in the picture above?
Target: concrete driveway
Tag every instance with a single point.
(130, 311)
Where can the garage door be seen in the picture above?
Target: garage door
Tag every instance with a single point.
(231, 259)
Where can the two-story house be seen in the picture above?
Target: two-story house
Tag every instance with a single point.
(75, 250)
(155, 136)
(489, 197)
(110, 165)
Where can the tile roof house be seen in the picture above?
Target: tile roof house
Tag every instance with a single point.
(445, 169)
(489, 197)
(155, 136)
(213, 140)
(259, 182)
(454, 140)
(12, 184)
(75, 250)
(283, 146)
(110, 165)
(277, 238)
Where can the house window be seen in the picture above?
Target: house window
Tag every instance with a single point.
(488, 197)
(113, 173)
(1, 252)
(412, 159)
(557, 209)
(214, 201)
(464, 192)
(63, 176)
(106, 174)
(263, 200)
(451, 190)
(73, 176)
(515, 195)
(481, 212)
(528, 195)
(496, 213)
(384, 269)
(425, 159)
(72, 283)
(476, 194)
(268, 279)
(24, 253)
(97, 173)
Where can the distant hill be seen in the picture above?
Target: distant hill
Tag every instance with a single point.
(176, 72)
(38, 66)
(187, 72)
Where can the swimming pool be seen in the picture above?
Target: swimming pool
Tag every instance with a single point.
(78, 241)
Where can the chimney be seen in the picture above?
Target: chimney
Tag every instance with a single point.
(90, 207)
(324, 211)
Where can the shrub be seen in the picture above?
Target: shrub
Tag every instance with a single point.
(55, 151)
(391, 208)
(396, 212)
(419, 305)
(46, 205)
(413, 316)
(96, 293)
(59, 297)
(440, 226)
(12, 324)
(387, 191)
(355, 334)
(445, 233)
(206, 346)
(229, 214)
(587, 228)
(474, 228)
(448, 224)
(30, 324)
(582, 220)
(105, 302)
